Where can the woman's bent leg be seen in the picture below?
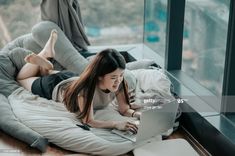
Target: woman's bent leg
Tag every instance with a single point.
(27, 83)
(32, 68)
(37, 63)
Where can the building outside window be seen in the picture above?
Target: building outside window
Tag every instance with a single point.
(17, 17)
(155, 25)
(204, 44)
(106, 22)
(113, 22)
(204, 39)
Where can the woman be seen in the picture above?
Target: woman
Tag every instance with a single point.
(96, 87)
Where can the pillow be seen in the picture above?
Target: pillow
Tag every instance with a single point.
(66, 54)
(30, 44)
(25, 41)
(131, 80)
(140, 64)
(16, 129)
(11, 61)
(10, 64)
(7, 74)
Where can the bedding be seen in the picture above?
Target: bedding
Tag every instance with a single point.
(51, 120)
(8, 122)
(11, 61)
(11, 125)
(153, 86)
(30, 121)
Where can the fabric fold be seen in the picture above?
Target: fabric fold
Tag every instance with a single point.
(66, 14)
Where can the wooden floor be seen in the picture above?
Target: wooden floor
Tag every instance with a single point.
(13, 147)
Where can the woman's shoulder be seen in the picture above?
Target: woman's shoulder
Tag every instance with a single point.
(67, 81)
(58, 90)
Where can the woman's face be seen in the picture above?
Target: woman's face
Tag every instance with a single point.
(111, 81)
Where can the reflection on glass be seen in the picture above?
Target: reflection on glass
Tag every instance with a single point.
(106, 22)
(204, 44)
(113, 22)
(17, 18)
(155, 25)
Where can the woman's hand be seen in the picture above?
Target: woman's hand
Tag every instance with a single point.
(136, 106)
(137, 114)
(126, 126)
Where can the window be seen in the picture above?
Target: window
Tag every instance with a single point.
(113, 22)
(17, 17)
(155, 25)
(204, 43)
(106, 22)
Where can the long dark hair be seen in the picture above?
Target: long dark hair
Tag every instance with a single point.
(104, 62)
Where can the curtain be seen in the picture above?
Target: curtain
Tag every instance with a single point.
(66, 14)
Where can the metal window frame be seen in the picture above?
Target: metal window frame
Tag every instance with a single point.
(174, 34)
(228, 90)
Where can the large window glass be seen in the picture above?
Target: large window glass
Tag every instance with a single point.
(155, 25)
(204, 43)
(17, 18)
(106, 22)
(112, 22)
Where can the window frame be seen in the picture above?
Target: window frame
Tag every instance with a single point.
(220, 129)
(228, 89)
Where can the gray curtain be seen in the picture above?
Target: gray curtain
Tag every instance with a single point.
(66, 14)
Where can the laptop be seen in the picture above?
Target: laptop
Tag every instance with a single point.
(154, 121)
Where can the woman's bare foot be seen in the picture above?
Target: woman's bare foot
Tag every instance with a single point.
(48, 51)
(39, 60)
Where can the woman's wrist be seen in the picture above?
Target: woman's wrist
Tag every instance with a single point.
(114, 124)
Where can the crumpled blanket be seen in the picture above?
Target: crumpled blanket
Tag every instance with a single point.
(153, 87)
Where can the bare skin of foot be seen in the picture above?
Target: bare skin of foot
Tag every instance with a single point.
(39, 60)
(48, 50)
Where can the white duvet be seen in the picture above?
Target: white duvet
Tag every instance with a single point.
(53, 121)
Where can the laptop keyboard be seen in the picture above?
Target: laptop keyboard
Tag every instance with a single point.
(126, 134)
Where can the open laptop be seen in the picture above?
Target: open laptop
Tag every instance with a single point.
(153, 122)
